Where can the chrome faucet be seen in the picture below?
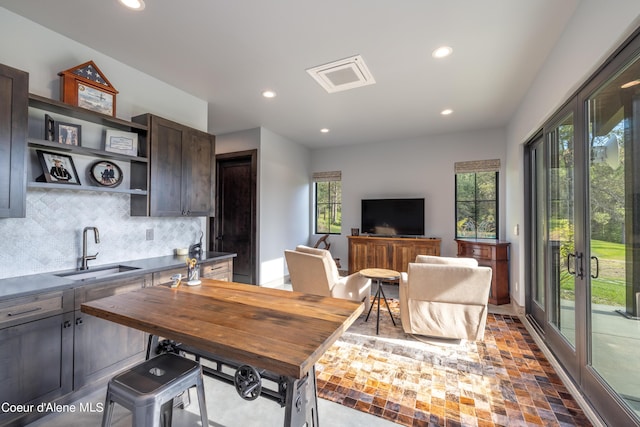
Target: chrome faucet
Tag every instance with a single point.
(85, 257)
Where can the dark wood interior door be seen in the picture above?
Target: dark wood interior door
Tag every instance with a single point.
(234, 227)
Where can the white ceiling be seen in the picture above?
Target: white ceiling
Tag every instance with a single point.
(228, 51)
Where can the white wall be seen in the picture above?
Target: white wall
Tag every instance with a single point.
(43, 53)
(284, 201)
(416, 168)
(238, 141)
(592, 35)
(49, 238)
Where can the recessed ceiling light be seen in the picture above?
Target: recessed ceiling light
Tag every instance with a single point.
(442, 52)
(269, 94)
(446, 112)
(324, 130)
(133, 4)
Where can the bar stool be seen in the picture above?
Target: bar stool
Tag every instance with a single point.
(146, 387)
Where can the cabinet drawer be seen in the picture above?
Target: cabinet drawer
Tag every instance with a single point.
(34, 307)
(90, 293)
(219, 270)
(476, 251)
(164, 277)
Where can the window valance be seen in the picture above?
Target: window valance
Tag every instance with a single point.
(492, 165)
(327, 176)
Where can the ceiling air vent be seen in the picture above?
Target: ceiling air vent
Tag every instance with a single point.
(348, 73)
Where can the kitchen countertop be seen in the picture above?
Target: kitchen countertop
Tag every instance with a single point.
(19, 286)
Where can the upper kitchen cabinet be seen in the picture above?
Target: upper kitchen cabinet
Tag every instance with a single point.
(181, 170)
(14, 105)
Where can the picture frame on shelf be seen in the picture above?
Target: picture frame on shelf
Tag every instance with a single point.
(68, 133)
(121, 142)
(95, 99)
(106, 173)
(87, 87)
(49, 128)
(57, 168)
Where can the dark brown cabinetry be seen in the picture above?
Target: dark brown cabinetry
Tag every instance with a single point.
(388, 252)
(182, 163)
(14, 95)
(102, 347)
(36, 349)
(494, 254)
(219, 270)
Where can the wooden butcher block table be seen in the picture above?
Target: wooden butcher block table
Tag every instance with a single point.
(260, 332)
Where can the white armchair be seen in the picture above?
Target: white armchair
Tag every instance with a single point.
(313, 271)
(445, 297)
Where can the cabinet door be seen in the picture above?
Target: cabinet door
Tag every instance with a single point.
(403, 254)
(165, 184)
(14, 104)
(358, 252)
(101, 347)
(36, 361)
(198, 166)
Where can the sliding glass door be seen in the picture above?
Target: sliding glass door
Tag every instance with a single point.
(556, 265)
(583, 288)
(613, 138)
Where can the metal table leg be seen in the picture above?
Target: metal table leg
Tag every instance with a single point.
(379, 292)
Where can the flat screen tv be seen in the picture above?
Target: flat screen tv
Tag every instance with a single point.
(393, 217)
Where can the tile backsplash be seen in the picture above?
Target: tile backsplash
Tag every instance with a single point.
(50, 237)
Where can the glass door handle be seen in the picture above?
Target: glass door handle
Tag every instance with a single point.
(578, 269)
(595, 276)
(569, 256)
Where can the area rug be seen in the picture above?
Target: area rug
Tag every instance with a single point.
(504, 380)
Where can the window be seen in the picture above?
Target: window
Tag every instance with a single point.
(477, 199)
(328, 190)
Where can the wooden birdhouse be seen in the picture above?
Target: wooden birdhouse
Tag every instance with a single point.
(85, 86)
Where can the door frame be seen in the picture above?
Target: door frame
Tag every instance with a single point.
(251, 156)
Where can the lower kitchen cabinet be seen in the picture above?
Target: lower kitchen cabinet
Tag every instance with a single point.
(218, 270)
(36, 350)
(101, 347)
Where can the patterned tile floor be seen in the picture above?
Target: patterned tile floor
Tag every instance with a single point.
(504, 380)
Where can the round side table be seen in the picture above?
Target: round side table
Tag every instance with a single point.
(378, 275)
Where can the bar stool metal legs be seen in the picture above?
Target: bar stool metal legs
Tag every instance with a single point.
(148, 389)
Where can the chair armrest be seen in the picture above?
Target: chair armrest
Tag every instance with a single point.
(354, 287)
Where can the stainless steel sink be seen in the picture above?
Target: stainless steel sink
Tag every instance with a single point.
(95, 273)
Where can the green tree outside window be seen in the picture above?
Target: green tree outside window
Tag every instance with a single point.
(328, 207)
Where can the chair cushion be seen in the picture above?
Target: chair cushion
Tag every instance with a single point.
(430, 259)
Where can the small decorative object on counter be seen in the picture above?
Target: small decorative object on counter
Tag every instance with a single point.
(176, 280)
(193, 275)
(85, 86)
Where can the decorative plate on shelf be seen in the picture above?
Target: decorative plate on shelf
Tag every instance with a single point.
(106, 173)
